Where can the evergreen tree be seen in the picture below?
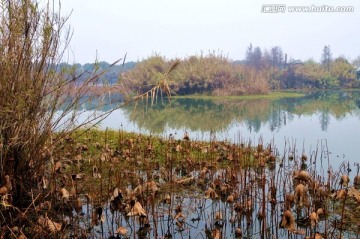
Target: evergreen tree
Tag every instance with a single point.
(326, 57)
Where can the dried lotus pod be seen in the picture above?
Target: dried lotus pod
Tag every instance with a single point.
(122, 231)
(137, 210)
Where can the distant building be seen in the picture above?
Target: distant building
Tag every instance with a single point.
(295, 62)
(357, 72)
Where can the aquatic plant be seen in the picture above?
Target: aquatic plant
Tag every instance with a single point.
(154, 187)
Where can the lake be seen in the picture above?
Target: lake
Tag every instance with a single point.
(322, 120)
(316, 133)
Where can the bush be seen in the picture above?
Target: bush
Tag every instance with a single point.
(210, 74)
(38, 97)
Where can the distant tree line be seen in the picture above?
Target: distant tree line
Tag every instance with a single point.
(259, 73)
(84, 71)
(287, 73)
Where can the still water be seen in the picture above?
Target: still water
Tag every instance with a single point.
(325, 124)
(323, 120)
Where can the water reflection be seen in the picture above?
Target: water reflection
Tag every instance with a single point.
(323, 118)
(326, 121)
(219, 115)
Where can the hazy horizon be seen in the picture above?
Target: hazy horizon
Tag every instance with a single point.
(139, 28)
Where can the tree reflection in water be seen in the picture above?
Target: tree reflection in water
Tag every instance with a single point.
(218, 115)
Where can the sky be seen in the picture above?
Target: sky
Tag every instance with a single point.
(106, 30)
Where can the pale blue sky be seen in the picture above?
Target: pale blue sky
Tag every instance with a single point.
(180, 28)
